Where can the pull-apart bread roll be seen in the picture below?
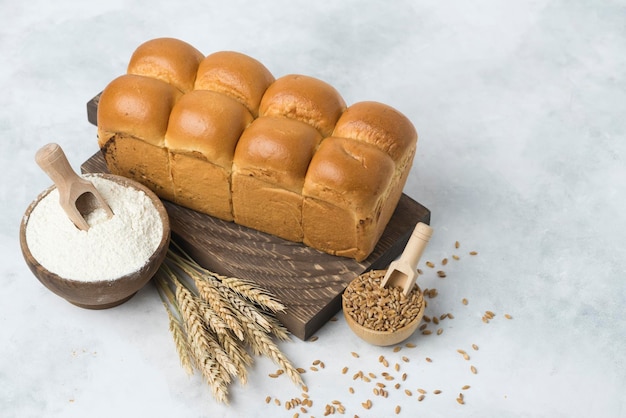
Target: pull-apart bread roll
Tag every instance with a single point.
(306, 99)
(355, 180)
(220, 135)
(167, 59)
(236, 75)
(132, 120)
(270, 163)
(203, 130)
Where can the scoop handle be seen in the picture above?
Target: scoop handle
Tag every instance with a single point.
(416, 245)
(53, 161)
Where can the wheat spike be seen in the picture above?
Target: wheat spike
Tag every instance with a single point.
(238, 355)
(181, 343)
(213, 297)
(211, 372)
(200, 345)
(277, 328)
(242, 307)
(253, 293)
(263, 344)
(213, 320)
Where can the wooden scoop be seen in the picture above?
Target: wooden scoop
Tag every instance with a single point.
(78, 197)
(403, 271)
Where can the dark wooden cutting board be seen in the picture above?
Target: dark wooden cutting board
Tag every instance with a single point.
(308, 282)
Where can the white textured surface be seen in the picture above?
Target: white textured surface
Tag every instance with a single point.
(520, 108)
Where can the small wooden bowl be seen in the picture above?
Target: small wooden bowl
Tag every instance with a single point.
(100, 294)
(384, 338)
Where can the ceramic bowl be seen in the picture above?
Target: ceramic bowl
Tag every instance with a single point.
(100, 294)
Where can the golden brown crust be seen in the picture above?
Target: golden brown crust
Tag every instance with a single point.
(380, 125)
(345, 192)
(306, 99)
(349, 173)
(282, 156)
(207, 123)
(278, 150)
(236, 75)
(167, 59)
(137, 106)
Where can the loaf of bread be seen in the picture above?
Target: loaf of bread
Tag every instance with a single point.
(220, 135)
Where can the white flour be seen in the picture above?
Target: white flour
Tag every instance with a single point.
(109, 249)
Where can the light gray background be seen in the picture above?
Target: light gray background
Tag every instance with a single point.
(521, 114)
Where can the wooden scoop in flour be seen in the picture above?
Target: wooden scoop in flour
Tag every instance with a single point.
(78, 197)
(403, 271)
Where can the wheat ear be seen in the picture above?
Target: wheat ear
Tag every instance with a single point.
(210, 294)
(261, 343)
(175, 327)
(253, 293)
(238, 355)
(210, 368)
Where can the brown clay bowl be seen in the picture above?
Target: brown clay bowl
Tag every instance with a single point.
(99, 294)
(385, 338)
